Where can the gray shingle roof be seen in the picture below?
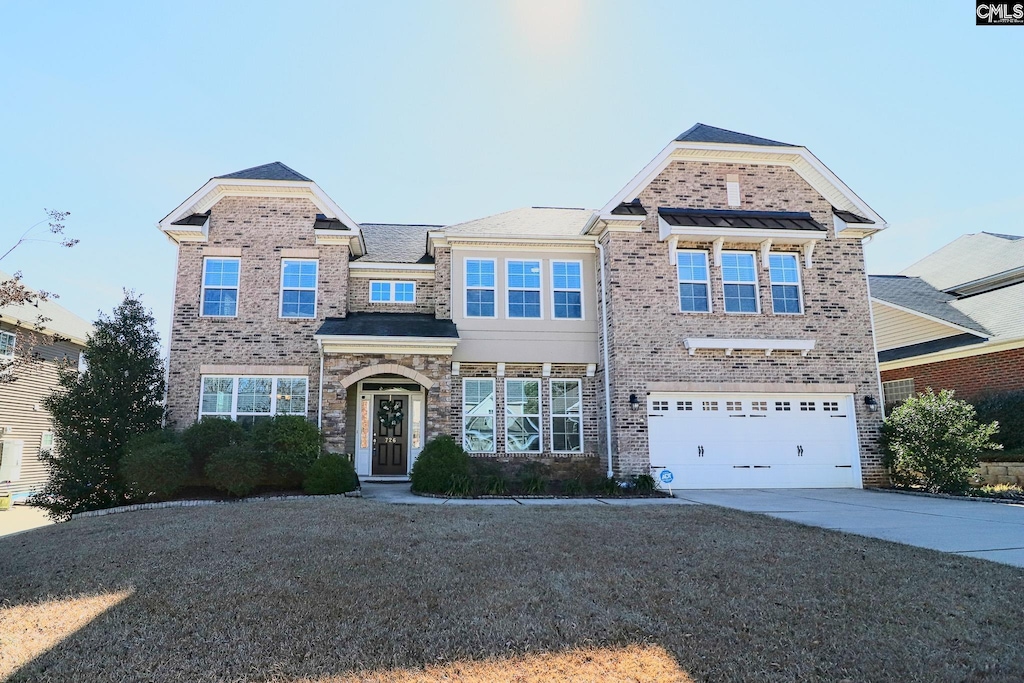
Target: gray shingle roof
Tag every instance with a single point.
(704, 133)
(917, 295)
(271, 171)
(396, 243)
(389, 325)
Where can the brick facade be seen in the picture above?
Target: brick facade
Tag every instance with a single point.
(359, 297)
(971, 377)
(646, 328)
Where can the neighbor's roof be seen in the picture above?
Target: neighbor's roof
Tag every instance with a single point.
(62, 321)
(1001, 311)
(703, 133)
(389, 325)
(396, 243)
(969, 258)
(272, 171)
(917, 295)
(537, 221)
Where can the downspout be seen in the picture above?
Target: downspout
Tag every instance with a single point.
(607, 379)
(320, 401)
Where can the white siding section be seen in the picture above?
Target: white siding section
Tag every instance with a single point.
(895, 328)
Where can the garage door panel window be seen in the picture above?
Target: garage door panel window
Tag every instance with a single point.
(694, 286)
(478, 415)
(522, 416)
(785, 281)
(739, 281)
(566, 416)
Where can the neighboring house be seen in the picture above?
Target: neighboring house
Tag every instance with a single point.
(953, 320)
(25, 426)
(712, 319)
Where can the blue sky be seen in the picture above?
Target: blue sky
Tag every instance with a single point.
(438, 112)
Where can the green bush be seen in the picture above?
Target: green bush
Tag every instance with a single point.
(607, 486)
(236, 469)
(440, 463)
(643, 484)
(1008, 410)
(209, 435)
(934, 440)
(155, 465)
(573, 487)
(290, 444)
(331, 473)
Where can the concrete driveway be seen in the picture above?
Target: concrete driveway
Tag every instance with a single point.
(22, 518)
(990, 531)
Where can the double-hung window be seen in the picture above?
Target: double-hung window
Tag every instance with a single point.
(694, 289)
(785, 278)
(739, 281)
(567, 289)
(566, 416)
(247, 399)
(7, 341)
(478, 415)
(522, 416)
(220, 287)
(392, 292)
(298, 288)
(480, 288)
(523, 289)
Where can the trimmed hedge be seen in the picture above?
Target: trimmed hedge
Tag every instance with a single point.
(235, 469)
(1008, 410)
(440, 466)
(156, 465)
(331, 473)
(209, 435)
(289, 444)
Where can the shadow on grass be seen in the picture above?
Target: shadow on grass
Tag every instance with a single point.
(356, 590)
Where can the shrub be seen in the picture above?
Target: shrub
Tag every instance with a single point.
(934, 440)
(331, 473)
(155, 465)
(496, 486)
(204, 438)
(1008, 410)
(460, 486)
(643, 484)
(438, 463)
(573, 487)
(236, 469)
(289, 444)
(607, 486)
(534, 485)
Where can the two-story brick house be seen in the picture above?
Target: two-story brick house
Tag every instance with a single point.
(711, 320)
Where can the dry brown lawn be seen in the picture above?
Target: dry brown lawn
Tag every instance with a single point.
(336, 590)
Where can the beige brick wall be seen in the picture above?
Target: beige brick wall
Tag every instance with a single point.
(260, 228)
(359, 297)
(443, 283)
(647, 328)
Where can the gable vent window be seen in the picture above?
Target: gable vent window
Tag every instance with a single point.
(732, 189)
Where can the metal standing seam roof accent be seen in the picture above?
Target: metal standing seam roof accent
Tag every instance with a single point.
(917, 295)
(701, 132)
(193, 219)
(851, 217)
(389, 325)
(720, 218)
(633, 208)
(272, 171)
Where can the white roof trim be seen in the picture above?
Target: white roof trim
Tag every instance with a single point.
(800, 159)
(766, 345)
(342, 343)
(978, 349)
(932, 318)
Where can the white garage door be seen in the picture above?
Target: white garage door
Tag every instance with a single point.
(724, 441)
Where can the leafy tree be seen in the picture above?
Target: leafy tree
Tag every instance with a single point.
(934, 440)
(96, 413)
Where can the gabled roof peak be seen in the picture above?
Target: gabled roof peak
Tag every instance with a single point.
(701, 132)
(272, 171)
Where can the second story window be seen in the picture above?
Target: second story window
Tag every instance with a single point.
(523, 289)
(392, 292)
(220, 287)
(567, 289)
(739, 279)
(479, 288)
(785, 279)
(298, 288)
(694, 292)
(7, 340)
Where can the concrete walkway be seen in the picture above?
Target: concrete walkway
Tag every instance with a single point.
(22, 518)
(400, 494)
(990, 531)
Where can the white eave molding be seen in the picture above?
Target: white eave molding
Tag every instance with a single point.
(692, 344)
(436, 346)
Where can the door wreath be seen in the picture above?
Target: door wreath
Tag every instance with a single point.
(390, 414)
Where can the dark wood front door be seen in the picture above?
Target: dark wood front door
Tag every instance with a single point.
(390, 436)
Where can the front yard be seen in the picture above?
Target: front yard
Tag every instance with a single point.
(332, 590)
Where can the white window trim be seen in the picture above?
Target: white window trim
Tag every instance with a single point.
(466, 288)
(551, 423)
(202, 286)
(539, 289)
(315, 289)
(799, 281)
(706, 282)
(756, 283)
(391, 292)
(494, 415)
(14, 343)
(233, 415)
(43, 448)
(539, 415)
(583, 307)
